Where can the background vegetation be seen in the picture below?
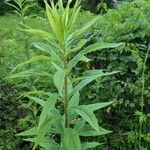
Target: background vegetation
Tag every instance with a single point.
(128, 117)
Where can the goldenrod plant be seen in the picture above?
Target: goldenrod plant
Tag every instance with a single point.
(70, 120)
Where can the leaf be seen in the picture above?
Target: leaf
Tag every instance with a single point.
(49, 104)
(87, 130)
(71, 139)
(89, 76)
(39, 33)
(84, 59)
(74, 101)
(32, 60)
(99, 46)
(40, 138)
(59, 80)
(49, 144)
(30, 132)
(85, 27)
(72, 63)
(47, 49)
(54, 20)
(88, 115)
(87, 145)
(97, 106)
(79, 46)
(91, 48)
(37, 100)
(12, 5)
(27, 73)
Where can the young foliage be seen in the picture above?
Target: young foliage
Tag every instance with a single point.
(64, 57)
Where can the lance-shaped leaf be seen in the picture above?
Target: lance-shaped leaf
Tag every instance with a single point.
(72, 63)
(89, 76)
(97, 106)
(46, 48)
(94, 47)
(30, 132)
(87, 130)
(59, 80)
(27, 73)
(39, 33)
(99, 46)
(88, 115)
(71, 139)
(32, 60)
(37, 100)
(85, 27)
(87, 145)
(49, 104)
(54, 20)
(74, 101)
(40, 138)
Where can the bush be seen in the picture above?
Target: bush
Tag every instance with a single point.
(129, 23)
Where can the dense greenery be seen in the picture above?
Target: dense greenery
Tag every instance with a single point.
(26, 77)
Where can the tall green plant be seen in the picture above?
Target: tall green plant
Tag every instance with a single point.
(63, 120)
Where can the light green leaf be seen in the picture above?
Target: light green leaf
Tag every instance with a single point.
(46, 48)
(54, 20)
(84, 58)
(97, 106)
(89, 76)
(59, 80)
(32, 60)
(49, 144)
(99, 46)
(27, 73)
(37, 100)
(87, 130)
(85, 27)
(88, 115)
(87, 145)
(71, 140)
(49, 104)
(39, 33)
(72, 63)
(30, 132)
(74, 101)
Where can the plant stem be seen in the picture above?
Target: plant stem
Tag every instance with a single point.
(142, 93)
(65, 88)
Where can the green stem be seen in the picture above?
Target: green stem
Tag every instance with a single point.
(65, 88)
(142, 93)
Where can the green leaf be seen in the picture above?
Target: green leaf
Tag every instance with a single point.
(85, 27)
(88, 115)
(27, 73)
(88, 77)
(39, 33)
(32, 60)
(59, 80)
(99, 46)
(49, 104)
(71, 140)
(87, 130)
(72, 63)
(87, 145)
(37, 100)
(54, 21)
(84, 59)
(49, 144)
(46, 48)
(74, 101)
(30, 132)
(97, 106)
